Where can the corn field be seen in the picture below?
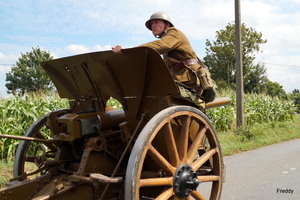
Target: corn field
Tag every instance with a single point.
(19, 113)
(258, 108)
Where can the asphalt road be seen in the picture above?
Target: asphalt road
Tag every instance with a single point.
(269, 173)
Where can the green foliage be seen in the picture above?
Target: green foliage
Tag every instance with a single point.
(115, 104)
(295, 97)
(258, 108)
(18, 114)
(263, 108)
(275, 89)
(255, 80)
(244, 133)
(28, 75)
(295, 91)
(221, 58)
(223, 118)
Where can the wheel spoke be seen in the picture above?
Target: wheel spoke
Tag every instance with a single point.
(184, 136)
(196, 144)
(171, 145)
(209, 178)
(30, 159)
(165, 194)
(153, 182)
(161, 161)
(207, 155)
(197, 195)
(49, 145)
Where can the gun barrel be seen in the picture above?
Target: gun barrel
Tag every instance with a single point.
(218, 102)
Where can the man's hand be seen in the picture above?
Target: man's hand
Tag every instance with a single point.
(118, 49)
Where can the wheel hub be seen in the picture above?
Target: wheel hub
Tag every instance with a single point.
(185, 181)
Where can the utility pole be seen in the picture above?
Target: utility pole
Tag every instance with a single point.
(228, 74)
(239, 67)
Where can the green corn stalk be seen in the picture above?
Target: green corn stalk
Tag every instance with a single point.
(17, 114)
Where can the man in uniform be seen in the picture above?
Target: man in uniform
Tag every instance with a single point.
(176, 50)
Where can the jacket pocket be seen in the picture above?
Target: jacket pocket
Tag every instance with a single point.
(206, 81)
(184, 75)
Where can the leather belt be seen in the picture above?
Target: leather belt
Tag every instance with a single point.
(190, 62)
(184, 63)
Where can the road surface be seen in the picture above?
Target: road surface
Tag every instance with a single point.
(268, 173)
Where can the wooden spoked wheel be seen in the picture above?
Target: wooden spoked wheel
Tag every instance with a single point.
(30, 155)
(176, 156)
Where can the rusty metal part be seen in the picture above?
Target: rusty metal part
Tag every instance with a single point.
(93, 144)
(105, 179)
(126, 133)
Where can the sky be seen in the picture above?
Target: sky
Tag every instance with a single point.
(71, 27)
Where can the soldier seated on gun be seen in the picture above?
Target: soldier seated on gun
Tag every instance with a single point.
(177, 51)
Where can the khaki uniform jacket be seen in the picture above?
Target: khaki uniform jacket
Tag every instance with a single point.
(173, 45)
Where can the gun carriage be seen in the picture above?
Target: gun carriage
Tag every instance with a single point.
(157, 147)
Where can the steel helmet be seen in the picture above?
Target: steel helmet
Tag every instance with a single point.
(158, 15)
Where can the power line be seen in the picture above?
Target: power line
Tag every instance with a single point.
(282, 65)
(284, 70)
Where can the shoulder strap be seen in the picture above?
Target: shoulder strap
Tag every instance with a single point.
(201, 63)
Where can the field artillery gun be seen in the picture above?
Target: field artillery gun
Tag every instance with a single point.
(157, 147)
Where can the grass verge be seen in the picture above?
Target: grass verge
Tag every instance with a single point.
(6, 171)
(258, 135)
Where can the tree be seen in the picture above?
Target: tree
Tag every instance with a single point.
(256, 79)
(220, 56)
(275, 89)
(27, 75)
(295, 97)
(296, 91)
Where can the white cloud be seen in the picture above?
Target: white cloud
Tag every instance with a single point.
(286, 76)
(8, 58)
(76, 49)
(100, 48)
(79, 49)
(4, 69)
